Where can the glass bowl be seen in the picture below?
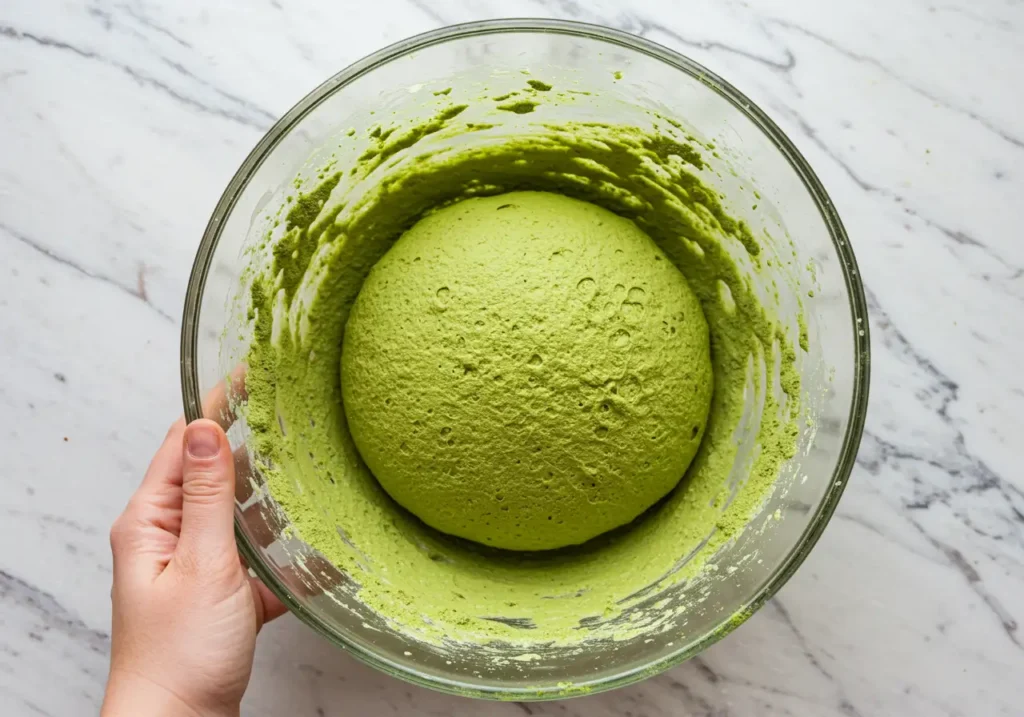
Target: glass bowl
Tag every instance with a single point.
(823, 279)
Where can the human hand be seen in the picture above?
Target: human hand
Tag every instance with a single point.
(185, 611)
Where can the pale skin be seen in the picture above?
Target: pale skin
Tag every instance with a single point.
(185, 610)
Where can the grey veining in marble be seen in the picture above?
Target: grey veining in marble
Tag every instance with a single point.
(120, 124)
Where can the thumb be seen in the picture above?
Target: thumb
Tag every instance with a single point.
(207, 494)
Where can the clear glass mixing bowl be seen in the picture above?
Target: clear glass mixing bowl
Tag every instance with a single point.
(793, 204)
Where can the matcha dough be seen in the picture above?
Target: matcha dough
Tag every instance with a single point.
(526, 370)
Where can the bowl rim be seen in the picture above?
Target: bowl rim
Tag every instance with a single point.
(859, 324)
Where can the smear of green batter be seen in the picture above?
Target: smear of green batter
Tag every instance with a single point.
(436, 588)
(521, 107)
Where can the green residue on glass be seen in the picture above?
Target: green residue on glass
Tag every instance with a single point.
(520, 108)
(617, 74)
(383, 149)
(539, 86)
(308, 205)
(445, 91)
(664, 146)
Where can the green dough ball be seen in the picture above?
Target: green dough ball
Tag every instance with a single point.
(526, 371)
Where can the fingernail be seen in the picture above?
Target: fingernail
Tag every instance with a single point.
(202, 441)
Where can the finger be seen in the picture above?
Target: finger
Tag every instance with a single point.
(217, 403)
(163, 477)
(207, 494)
(262, 525)
(141, 549)
(145, 535)
(315, 575)
(245, 476)
(270, 608)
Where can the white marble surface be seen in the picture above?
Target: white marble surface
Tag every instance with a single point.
(120, 124)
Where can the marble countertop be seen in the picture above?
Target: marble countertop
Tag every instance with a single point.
(121, 123)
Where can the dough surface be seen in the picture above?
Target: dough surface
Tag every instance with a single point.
(526, 371)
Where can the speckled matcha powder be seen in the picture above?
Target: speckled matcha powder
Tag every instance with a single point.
(440, 589)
